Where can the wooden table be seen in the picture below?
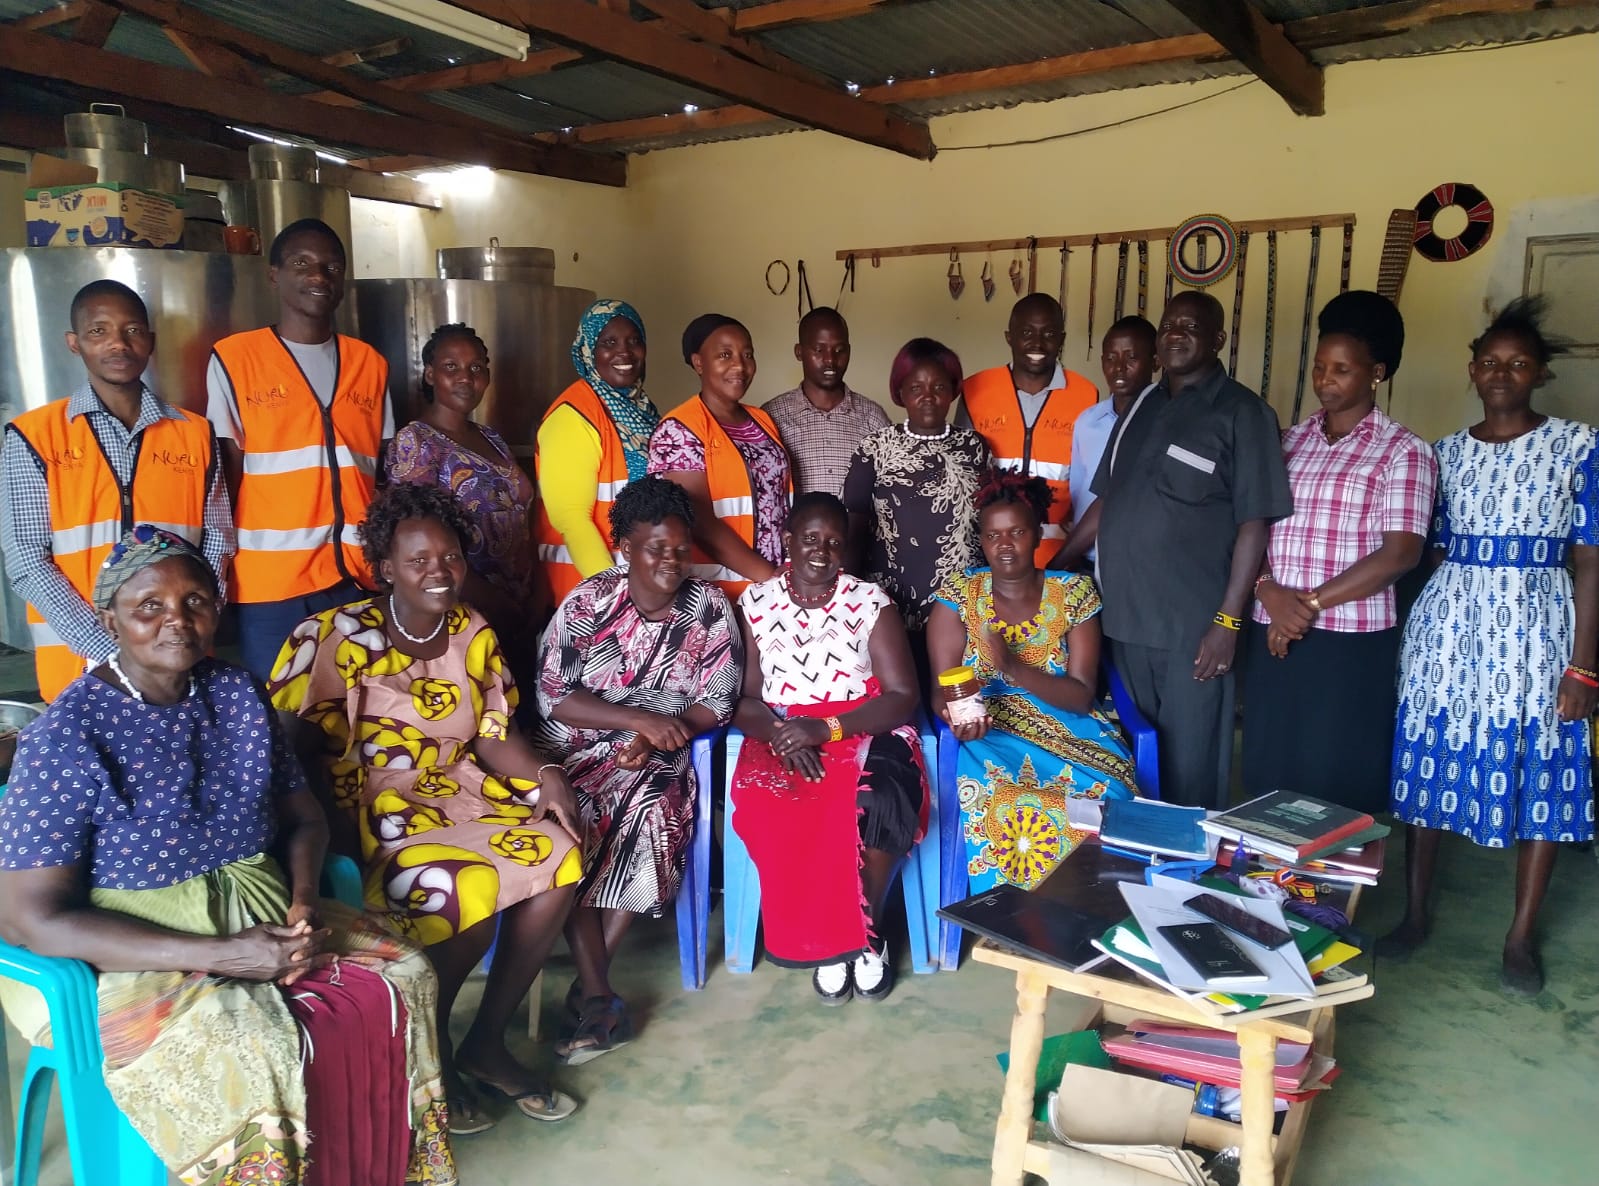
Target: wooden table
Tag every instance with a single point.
(1267, 1160)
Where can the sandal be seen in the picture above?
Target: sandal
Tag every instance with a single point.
(536, 1103)
(466, 1118)
(603, 1026)
(574, 1003)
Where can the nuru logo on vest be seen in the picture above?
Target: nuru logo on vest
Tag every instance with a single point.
(180, 463)
(365, 400)
(272, 397)
(68, 457)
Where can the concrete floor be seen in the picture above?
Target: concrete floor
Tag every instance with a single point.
(751, 1082)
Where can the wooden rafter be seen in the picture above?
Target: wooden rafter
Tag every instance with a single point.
(212, 60)
(482, 137)
(718, 30)
(779, 13)
(710, 68)
(481, 73)
(1309, 33)
(51, 17)
(94, 26)
(1263, 47)
(369, 53)
(39, 55)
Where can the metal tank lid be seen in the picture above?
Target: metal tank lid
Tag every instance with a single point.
(530, 265)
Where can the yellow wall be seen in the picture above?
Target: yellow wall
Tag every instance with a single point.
(696, 227)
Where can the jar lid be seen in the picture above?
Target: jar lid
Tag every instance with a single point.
(955, 676)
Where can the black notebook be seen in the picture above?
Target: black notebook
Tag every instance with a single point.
(1059, 920)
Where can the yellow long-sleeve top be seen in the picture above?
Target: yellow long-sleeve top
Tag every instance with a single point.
(569, 484)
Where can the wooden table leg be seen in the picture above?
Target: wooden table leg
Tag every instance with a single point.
(1258, 1056)
(1016, 1112)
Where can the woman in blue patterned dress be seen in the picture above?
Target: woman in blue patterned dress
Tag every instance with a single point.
(1497, 670)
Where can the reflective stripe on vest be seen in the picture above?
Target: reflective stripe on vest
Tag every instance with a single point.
(559, 570)
(1044, 450)
(309, 472)
(727, 477)
(173, 468)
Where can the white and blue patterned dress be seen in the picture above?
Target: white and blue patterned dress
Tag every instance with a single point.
(1480, 749)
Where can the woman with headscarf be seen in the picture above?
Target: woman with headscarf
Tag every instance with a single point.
(1320, 664)
(252, 1031)
(730, 459)
(593, 441)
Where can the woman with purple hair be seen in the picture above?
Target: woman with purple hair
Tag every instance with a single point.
(910, 488)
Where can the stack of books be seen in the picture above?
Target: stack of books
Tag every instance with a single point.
(1198, 1055)
(1241, 974)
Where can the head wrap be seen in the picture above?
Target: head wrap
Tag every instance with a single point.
(137, 550)
(703, 327)
(1368, 317)
(631, 410)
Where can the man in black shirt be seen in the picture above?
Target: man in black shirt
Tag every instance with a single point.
(1190, 481)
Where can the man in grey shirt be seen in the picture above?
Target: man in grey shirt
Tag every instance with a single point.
(822, 420)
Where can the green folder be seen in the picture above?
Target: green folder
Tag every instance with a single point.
(1081, 1047)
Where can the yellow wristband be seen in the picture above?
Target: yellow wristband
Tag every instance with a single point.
(1228, 621)
(835, 731)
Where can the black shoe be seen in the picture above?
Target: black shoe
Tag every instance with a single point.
(833, 983)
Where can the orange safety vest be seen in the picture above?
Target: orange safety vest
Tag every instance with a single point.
(732, 489)
(1043, 450)
(309, 471)
(89, 510)
(559, 569)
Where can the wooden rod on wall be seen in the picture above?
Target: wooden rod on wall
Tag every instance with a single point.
(981, 246)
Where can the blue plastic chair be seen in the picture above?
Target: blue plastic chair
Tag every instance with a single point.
(918, 872)
(101, 1145)
(955, 881)
(694, 896)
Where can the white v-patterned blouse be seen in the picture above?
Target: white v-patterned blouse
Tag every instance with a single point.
(812, 656)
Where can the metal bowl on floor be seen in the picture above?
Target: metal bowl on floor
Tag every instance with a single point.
(14, 715)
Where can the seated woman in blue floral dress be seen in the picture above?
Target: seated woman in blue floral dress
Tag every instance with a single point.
(142, 833)
(1032, 640)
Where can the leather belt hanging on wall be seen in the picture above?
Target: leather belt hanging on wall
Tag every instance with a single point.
(1238, 302)
(1310, 313)
(1271, 313)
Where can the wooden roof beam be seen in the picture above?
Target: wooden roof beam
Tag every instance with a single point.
(368, 53)
(718, 30)
(482, 73)
(710, 68)
(482, 135)
(94, 26)
(781, 13)
(1262, 46)
(212, 60)
(40, 55)
(51, 17)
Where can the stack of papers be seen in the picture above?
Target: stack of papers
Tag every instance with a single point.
(1356, 860)
(1306, 970)
(1212, 1056)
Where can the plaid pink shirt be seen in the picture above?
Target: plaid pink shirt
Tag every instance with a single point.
(1381, 477)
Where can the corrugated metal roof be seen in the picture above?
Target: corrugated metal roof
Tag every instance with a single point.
(898, 40)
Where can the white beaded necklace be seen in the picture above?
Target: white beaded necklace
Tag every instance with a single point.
(924, 436)
(127, 683)
(394, 620)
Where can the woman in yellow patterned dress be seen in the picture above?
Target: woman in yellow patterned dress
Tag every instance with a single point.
(1033, 641)
(403, 703)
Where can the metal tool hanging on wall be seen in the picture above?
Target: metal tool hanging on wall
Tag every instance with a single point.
(988, 279)
(1065, 272)
(957, 282)
(1310, 313)
(1032, 263)
(1271, 314)
(1093, 285)
(803, 300)
(1121, 279)
(1170, 276)
(1349, 251)
(1016, 269)
(1238, 302)
(1143, 277)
